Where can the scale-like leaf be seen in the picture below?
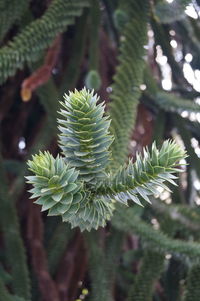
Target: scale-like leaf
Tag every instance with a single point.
(138, 180)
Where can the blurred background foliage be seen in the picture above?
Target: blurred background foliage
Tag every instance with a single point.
(142, 58)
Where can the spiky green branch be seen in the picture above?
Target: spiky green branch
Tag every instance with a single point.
(84, 137)
(127, 80)
(142, 178)
(77, 186)
(149, 272)
(10, 13)
(9, 224)
(129, 222)
(173, 103)
(28, 45)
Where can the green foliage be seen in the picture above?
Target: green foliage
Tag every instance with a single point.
(6, 296)
(193, 159)
(93, 80)
(54, 184)
(37, 36)
(150, 270)
(192, 289)
(57, 245)
(5, 276)
(120, 19)
(73, 69)
(172, 103)
(4, 293)
(78, 187)
(85, 137)
(162, 37)
(58, 191)
(94, 35)
(128, 221)
(93, 179)
(10, 13)
(103, 275)
(142, 178)
(85, 141)
(97, 270)
(127, 80)
(184, 217)
(16, 260)
(170, 12)
(169, 102)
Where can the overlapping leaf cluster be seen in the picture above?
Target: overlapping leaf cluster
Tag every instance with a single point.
(84, 137)
(77, 186)
(28, 45)
(142, 178)
(128, 78)
(10, 13)
(55, 184)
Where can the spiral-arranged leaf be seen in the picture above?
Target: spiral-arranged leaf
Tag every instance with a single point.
(94, 213)
(58, 191)
(28, 45)
(77, 187)
(10, 13)
(55, 184)
(142, 178)
(84, 137)
(128, 78)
